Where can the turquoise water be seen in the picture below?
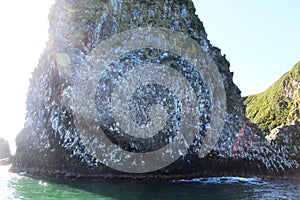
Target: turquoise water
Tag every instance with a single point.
(14, 186)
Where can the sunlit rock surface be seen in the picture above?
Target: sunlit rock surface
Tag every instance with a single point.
(287, 137)
(50, 144)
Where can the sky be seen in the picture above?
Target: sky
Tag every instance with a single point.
(259, 37)
(23, 35)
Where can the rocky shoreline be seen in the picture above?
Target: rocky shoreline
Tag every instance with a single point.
(67, 175)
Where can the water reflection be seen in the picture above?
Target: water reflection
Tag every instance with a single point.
(13, 186)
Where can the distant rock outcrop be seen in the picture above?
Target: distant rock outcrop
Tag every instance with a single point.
(50, 144)
(4, 149)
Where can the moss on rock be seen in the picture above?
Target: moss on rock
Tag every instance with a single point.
(280, 104)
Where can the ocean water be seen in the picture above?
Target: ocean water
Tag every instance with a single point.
(16, 186)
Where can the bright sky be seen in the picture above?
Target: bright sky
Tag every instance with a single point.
(259, 37)
(23, 37)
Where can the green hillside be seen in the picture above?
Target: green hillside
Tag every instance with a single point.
(280, 104)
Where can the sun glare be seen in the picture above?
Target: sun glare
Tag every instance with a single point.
(24, 33)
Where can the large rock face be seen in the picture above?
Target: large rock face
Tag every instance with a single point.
(50, 144)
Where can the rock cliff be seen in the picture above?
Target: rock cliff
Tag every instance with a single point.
(277, 112)
(51, 145)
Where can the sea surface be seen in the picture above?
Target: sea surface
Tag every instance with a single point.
(18, 186)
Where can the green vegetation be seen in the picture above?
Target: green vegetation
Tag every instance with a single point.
(280, 104)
